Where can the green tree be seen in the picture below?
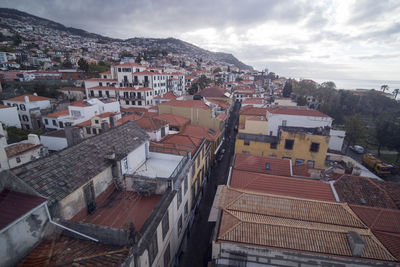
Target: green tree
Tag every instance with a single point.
(384, 131)
(301, 101)
(83, 65)
(355, 130)
(384, 87)
(125, 54)
(287, 89)
(216, 70)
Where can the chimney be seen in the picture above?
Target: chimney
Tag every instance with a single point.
(26, 99)
(356, 243)
(113, 121)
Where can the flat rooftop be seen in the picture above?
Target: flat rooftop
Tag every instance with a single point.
(159, 165)
(120, 208)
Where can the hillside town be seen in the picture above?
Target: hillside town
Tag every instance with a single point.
(115, 154)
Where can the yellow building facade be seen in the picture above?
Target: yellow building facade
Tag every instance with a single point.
(301, 145)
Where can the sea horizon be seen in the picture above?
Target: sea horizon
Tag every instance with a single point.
(352, 84)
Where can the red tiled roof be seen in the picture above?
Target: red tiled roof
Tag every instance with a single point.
(107, 114)
(220, 103)
(365, 191)
(13, 205)
(79, 103)
(120, 208)
(384, 224)
(18, 148)
(301, 170)
(130, 117)
(57, 114)
(169, 95)
(100, 80)
(146, 72)
(150, 124)
(253, 101)
(186, 104)
(201, 132)
(133, 109)
(69, 251)
(212, 92)
(32, 98)
(181, 142)
(250, 110)
(173, 120)
(246, 162)
(297, 112)
(280, 185)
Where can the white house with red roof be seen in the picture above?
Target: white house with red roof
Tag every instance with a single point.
(29, 107)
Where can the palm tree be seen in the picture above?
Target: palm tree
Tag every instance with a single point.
(396, 92)
(384, 87)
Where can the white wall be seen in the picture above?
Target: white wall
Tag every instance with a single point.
(336, 140)
(137, 157)
(275, 120)
(19, 239)
(9, 116)
(54, 143)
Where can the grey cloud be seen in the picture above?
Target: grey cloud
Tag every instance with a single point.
(378, 56)
(371, 10)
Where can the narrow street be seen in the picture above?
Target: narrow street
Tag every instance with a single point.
(198, 251)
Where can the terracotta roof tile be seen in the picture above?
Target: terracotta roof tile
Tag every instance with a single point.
(150, 124)
(364, 191)
(250, 110)
(173, 120)
(18, 148)
(57, 114)
(280, 185)
(68, 251)
(180, 142)
(201, 132)
(13, 205)
(32, 98)
(79, 103)
(247, 162)
(301, 170)
(295, 224)
(212, 92)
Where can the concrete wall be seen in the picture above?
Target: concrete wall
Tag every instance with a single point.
(20, 238)
(336, 140)
(136, 158)
(9, 117)
(275, 120)
(255, 127)
(75, 201)
(226, 254)
(54, 143)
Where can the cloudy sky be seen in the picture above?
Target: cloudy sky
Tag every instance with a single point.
(324, 40)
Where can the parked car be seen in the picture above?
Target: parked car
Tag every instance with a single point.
(357, 149)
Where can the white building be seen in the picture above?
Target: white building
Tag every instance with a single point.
(29, 107)
(9, 116)
(294, 117)
(20, 153)
(336, 139)
(80, 111)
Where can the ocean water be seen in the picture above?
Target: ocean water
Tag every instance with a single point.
(363, 84)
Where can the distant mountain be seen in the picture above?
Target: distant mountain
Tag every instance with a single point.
(168, 44)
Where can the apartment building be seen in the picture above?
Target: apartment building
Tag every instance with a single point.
(29, 109)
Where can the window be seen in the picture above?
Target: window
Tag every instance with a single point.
(18, 159)
(46, 121)
(61, 124)
(299, 162)
(165, 224)
(88, 130)
(107, 93)
(180, 225)
(91, 93)
(186, 209)
(94, 131)
(100, 93)
(96, 121)
(314, 147)
(100, 84)
(119, 69)
(127, 102)
(75, 113)
(178, 198)
(139, 103)
(284, 122)
(246, 142)
(289, 144)
(311, 163)
(54, 122)
(167, 256)
(153, 248)
(268, 166)
(273, 145)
